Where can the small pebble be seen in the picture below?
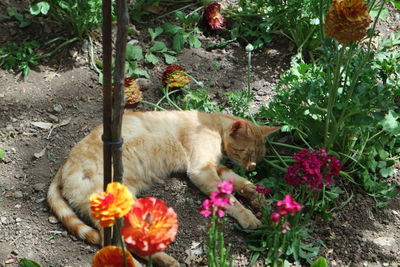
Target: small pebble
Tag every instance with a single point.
(18, 194)
(53, 220)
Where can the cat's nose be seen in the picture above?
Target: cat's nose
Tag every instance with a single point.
(251, 166)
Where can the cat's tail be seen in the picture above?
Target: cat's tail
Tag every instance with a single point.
(67, 216)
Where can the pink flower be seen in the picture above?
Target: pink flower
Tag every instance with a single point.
(206, 208)
(288, 205)
(263, 190)
(226, 187)
(313, 168)
(275, 217)
(219, 201)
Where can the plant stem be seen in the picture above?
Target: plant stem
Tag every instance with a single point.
(333, 89)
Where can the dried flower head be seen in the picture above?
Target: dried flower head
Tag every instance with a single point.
(133, 94)
(213, 17)
(174, 77)
(149, 227)
(112, 256)
(347, 20)
(114, 203)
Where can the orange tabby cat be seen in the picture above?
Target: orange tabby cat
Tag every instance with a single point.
(156, 144)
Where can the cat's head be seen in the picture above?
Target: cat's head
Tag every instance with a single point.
(244, 143)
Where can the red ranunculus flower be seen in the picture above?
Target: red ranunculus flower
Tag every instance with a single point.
(112, 256)
(149, 227)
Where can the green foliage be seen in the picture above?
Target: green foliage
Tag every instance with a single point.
(19, 56)
(134, 54)
(365, 114)
(13, 12)
(217, 253)
(2, 153)
(251, 22)
(298, 20)
(28, 263)
(185, 34)
(395, 3)
(239, 103)
(158, 47)
(199, 100)
(320, 262)
(77, 17)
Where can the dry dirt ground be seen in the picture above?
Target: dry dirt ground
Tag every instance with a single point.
(64, 91)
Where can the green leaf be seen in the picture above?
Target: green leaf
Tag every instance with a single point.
(383, 16)
(158, 47)
(178, 42)
(390, 123)
(28, 263)
(171, 29)
(140, 72)
(2, 153)
(396, 4)
(151, 58)
(134, 52)
(12, 11)
(64, 5)
(40, 8)
(154, 33)
(386, 172)
(320, 262)
(169, 59)
(194, 42)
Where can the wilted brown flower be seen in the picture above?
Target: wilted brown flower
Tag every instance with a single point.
(133, 94)
(347, 20)
(213, 17)
(174, 77)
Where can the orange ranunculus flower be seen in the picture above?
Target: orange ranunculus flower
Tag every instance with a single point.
(174, 77)
(111, 256)
(213, 17)
(149, 227)
(133, 94)
(347, 20)
(114, 203)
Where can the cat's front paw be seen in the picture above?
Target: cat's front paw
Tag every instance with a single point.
(256, 199)
(248, 220)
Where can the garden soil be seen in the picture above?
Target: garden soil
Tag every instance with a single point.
(63, 93)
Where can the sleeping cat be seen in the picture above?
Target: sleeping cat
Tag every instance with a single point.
(156, 144)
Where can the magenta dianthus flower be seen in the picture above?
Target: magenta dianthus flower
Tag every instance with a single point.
(315, 169)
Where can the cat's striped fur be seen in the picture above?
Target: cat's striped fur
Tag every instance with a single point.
(156, 144)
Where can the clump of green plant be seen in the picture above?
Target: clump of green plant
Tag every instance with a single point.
(77, 17)
(298, 20)
(19, 57)
(346, 103)
(185, 34)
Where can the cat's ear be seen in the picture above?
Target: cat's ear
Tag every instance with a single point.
(267, 130)
(238, 127)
